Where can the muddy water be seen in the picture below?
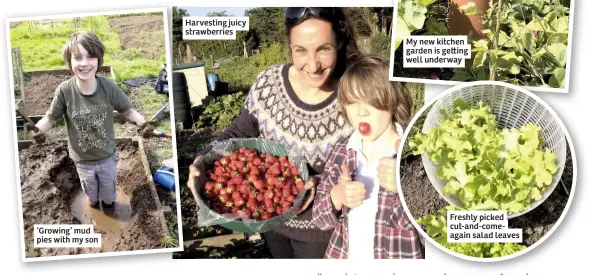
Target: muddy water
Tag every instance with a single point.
(113, 219)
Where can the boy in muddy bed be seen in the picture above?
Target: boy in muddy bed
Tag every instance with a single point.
(86, 101)
(357, 194)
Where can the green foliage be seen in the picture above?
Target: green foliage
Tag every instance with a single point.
(525, 44)
(487, 168)
(241, 72)
(381, 44)
(221, 111)
(436, 228)
(411, 16)
(41, 45)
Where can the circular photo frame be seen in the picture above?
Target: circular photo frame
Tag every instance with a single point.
(498, 155)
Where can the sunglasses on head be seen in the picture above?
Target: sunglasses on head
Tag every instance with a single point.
(294, 14)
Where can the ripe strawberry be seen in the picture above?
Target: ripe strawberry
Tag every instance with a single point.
(236, 195)
(242, 157)
(256, 161)
(243, 188)
(209, 186)
(270, 159)
(290, 198)
(300, 185)
(265, 217)
(276, 199)
(268, 203)
(279, 210)
(223, 198)
(254, 171)
(217, 163)
(286, 203)
(294, 190)
(223, 191)
(238, 178)
(219, 171)
(286, 208)
(239, 202)
(252, 194)
(286, 191)
(224, 161)
(270, 209)
(287, 173)
(213, 177)
(259, 184)
(233, 156)
(239, 164)
(294, 171)
(275, 170)
(247, 213)
(279, 182)
(241, 150)
(260, 197)
(252, 178)
(269, 194)
(222, 179)
(251, 203)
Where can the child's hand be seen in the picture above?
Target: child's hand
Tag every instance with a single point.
(39, 137)
(347, 192)
(386, 174)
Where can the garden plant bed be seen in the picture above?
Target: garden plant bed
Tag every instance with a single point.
(41, 86)
(423, 199)
(200, 242)
(50, 185)
(142, 32)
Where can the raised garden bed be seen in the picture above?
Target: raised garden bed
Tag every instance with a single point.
(51, 188)
(41, 86)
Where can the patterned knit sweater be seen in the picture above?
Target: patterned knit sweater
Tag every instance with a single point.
(273, 111)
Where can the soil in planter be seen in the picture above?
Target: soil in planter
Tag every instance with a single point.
(422, 199)
(50, 184)
(188, 144)
(40, 89)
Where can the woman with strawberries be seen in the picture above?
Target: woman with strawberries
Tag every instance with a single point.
(296, 105)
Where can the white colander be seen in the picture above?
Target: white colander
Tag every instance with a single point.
(514, 107)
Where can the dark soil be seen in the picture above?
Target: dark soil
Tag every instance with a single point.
(241, 249)
(133, 32)
(41, 87)
(50, 182)
(422, 199)
(188, 144)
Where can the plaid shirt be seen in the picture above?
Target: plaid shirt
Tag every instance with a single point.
(395, 236)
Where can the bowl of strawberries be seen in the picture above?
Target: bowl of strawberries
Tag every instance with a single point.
(250, 185)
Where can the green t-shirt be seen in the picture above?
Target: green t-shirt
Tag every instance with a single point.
(89, 118)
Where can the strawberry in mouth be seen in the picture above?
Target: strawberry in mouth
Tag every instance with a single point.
(365, 128)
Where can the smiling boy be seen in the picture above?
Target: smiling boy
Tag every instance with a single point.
(87, 101)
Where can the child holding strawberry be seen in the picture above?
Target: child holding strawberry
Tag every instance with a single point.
(87, 101)
(357, 194)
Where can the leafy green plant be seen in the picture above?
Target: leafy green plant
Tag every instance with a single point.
(487, 168)
(412, 16)
(221, 111)
(525, 43)
(436, 228)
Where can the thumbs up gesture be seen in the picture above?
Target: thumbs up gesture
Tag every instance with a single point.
(386, 172)
(347, 192)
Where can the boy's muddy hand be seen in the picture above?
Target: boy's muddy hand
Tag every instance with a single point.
(38, 137)
(386, 174)
(147, 129)
(347, 192)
